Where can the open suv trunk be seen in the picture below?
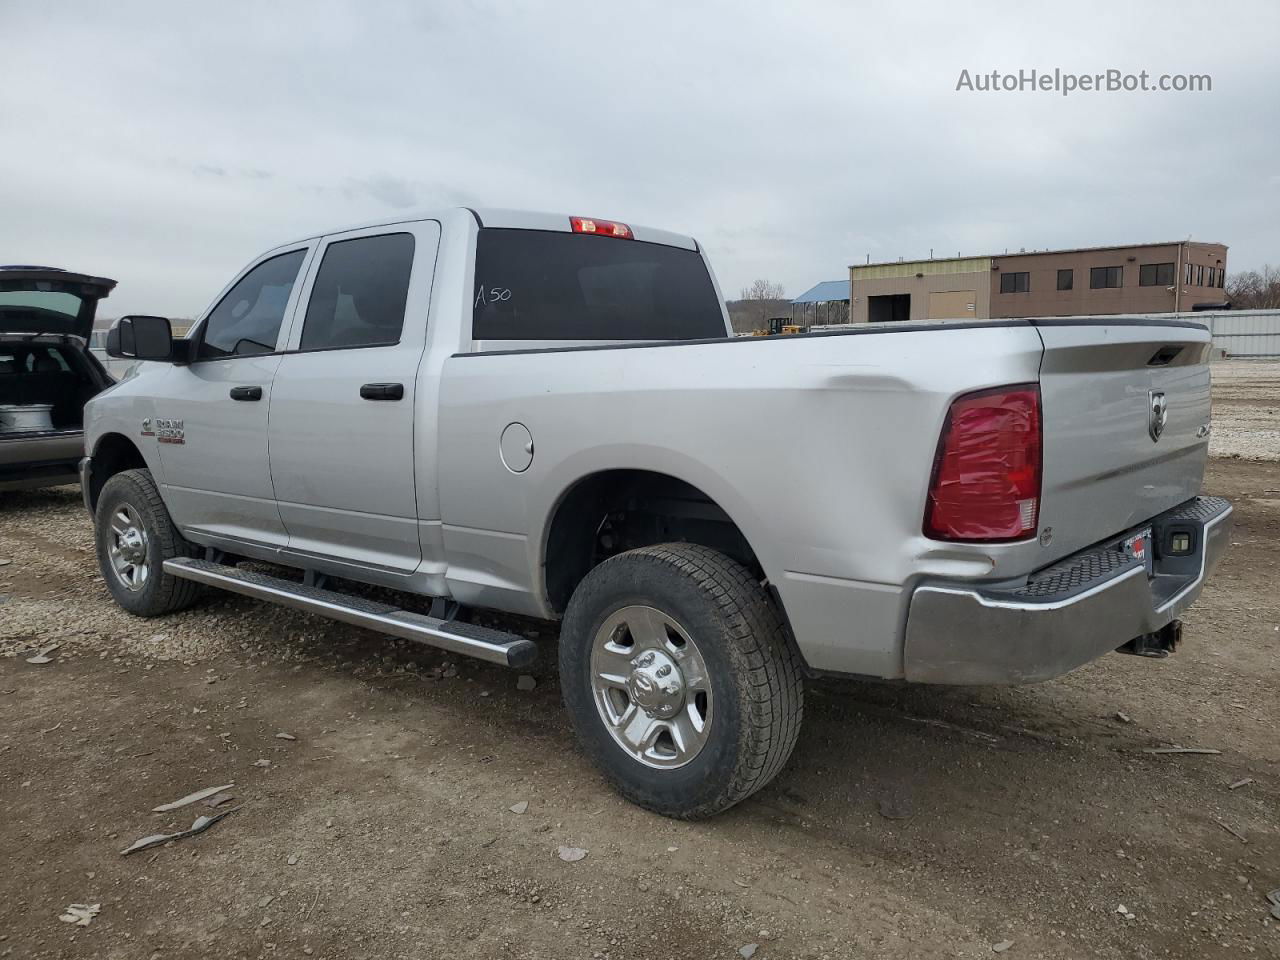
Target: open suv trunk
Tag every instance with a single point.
(47, 373)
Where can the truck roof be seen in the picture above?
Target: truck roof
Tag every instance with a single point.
(512, 219)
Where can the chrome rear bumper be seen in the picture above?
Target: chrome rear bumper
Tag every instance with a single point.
(1065, 615)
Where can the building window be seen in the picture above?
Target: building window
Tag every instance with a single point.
(1155, 275)
(1222, 276)
(1102, 277)
(1015, 282)
(1066, 279)
(1187, 279)
(1200, 275)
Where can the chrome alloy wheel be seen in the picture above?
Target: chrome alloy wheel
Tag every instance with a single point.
(651, 687)
(127, 548)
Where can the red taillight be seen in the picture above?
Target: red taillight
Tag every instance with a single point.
(602, 228)
(986, 475)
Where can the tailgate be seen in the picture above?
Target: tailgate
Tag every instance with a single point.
(1111, 458)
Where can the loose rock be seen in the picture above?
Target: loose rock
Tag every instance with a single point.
(200, 825)
(81, 914)
(191, 798)
(571, 854)
(43, 657)
(1204, 750)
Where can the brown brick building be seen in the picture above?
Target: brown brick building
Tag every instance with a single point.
(1141, 278)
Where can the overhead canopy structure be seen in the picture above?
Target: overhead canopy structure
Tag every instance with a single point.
(828, 302)
(825, 292)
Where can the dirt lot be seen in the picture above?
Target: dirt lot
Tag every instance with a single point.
(1246, 409)
(911, 822)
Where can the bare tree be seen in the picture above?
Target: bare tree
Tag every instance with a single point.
(1255, 289)
(763, 299)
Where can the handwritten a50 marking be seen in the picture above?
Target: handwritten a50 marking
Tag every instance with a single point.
(492, 295)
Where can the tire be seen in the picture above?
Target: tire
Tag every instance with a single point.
(742, 678)
(135, 535)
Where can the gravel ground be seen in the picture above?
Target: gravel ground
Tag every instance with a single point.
(911, 822)
(1246, 409)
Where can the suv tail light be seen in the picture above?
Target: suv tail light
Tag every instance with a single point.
(601, 228)
(986, 475)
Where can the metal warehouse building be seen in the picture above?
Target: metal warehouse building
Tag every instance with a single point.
(1141, 278)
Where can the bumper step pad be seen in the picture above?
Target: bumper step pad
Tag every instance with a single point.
(1073, 576)
(1083, 572)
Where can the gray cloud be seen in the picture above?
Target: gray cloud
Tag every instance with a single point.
(791, 140)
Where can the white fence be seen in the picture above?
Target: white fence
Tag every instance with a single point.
(1239, 333)
(1246, 333)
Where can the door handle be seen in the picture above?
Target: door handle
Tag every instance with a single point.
(382, 391)
(246, 393)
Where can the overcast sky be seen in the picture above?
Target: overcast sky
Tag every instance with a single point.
(166, 147)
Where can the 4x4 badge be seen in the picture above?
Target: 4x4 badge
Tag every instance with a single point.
(1159, 414)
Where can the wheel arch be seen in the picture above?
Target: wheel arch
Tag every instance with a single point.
(612, 510)
(112, 453)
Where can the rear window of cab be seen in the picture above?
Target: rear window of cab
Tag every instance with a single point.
(545, 285)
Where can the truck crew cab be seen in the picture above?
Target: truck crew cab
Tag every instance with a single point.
(547, 415)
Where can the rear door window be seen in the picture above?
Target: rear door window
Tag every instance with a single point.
(247, 320)
(544, 285)
(359, 293)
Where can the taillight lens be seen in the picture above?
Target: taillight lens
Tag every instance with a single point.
(986, 475)
(601, 228)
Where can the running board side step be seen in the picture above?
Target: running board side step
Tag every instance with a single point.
(463, 638)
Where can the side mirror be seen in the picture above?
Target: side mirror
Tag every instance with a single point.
(140, 338)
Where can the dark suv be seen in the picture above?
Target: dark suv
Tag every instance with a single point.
(47, 373)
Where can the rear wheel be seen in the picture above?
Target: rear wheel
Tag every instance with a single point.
(135, 535)
(679, 679)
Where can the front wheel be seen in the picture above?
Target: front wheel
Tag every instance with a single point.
(679, 679)
(135, 536)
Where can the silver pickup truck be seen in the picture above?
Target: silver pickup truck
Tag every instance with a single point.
(547, 415)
